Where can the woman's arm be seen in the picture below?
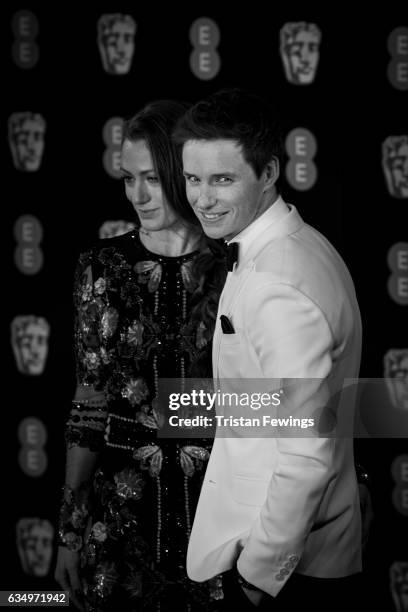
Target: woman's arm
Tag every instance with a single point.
(84, 434)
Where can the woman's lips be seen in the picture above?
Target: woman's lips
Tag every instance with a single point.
(147, 213)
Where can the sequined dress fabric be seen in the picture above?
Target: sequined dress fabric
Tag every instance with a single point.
(134, 325)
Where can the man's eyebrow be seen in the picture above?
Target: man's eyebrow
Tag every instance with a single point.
(226, 173)
(215, 175)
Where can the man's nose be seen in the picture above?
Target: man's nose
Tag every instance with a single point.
(206, 198)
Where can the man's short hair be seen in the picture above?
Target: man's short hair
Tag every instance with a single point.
(235, 114)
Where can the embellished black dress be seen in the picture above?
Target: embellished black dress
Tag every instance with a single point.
(135, 323)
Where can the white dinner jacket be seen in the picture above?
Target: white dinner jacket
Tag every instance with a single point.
(277, 504)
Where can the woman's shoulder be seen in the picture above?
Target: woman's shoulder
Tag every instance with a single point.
(112, 249)
(121, 242)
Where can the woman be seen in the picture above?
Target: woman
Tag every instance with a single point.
(145, 307)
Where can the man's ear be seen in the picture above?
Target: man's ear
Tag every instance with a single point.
(271, 173)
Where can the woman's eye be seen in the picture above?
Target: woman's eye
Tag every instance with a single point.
(127, 179)
(224, 179)
(193, 180)
(153, 180)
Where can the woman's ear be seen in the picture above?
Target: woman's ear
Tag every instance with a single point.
(271, 172)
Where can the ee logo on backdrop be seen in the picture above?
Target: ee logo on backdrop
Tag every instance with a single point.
(28, 255)
(25, 29)
(397, 71)
(32, 457)
(112, 137)
(397, 260)
(204, 59)
(301, 147)
(399, 471)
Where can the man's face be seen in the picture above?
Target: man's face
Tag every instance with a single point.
(34, 346)
(120, 46)
(303, 56)
(29, 144)
(222, 187)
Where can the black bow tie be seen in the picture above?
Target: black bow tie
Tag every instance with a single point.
(232, 255)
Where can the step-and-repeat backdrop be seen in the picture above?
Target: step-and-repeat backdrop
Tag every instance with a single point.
(70, 76)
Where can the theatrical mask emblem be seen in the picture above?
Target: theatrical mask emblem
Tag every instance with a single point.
(396, 376)
(299, 49)
(110, 229)
(399, 585)
(26, 139)
(395, 165)
(29, 339)
(116, 33)
(34, 544)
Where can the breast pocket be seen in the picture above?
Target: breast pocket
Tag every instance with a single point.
(232, 339)
(231, 354)
(249, 491)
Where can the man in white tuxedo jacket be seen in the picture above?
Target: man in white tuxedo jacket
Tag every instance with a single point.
(271, 506)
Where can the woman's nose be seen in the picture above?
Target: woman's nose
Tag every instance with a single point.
(140, 194)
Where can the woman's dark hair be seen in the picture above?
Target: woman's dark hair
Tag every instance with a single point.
(235, 114)
(154, 124)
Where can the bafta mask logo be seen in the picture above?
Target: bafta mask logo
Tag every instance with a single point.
(396, 376)
(299, 49)
(26, 139)
(29, 339)
(395, 165)
(116, 34)
(399, 585)
(111, 229)
(34, 545)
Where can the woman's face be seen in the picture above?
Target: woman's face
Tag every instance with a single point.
(143, 187)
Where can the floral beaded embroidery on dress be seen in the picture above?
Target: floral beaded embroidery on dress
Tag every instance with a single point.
(134, 324)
